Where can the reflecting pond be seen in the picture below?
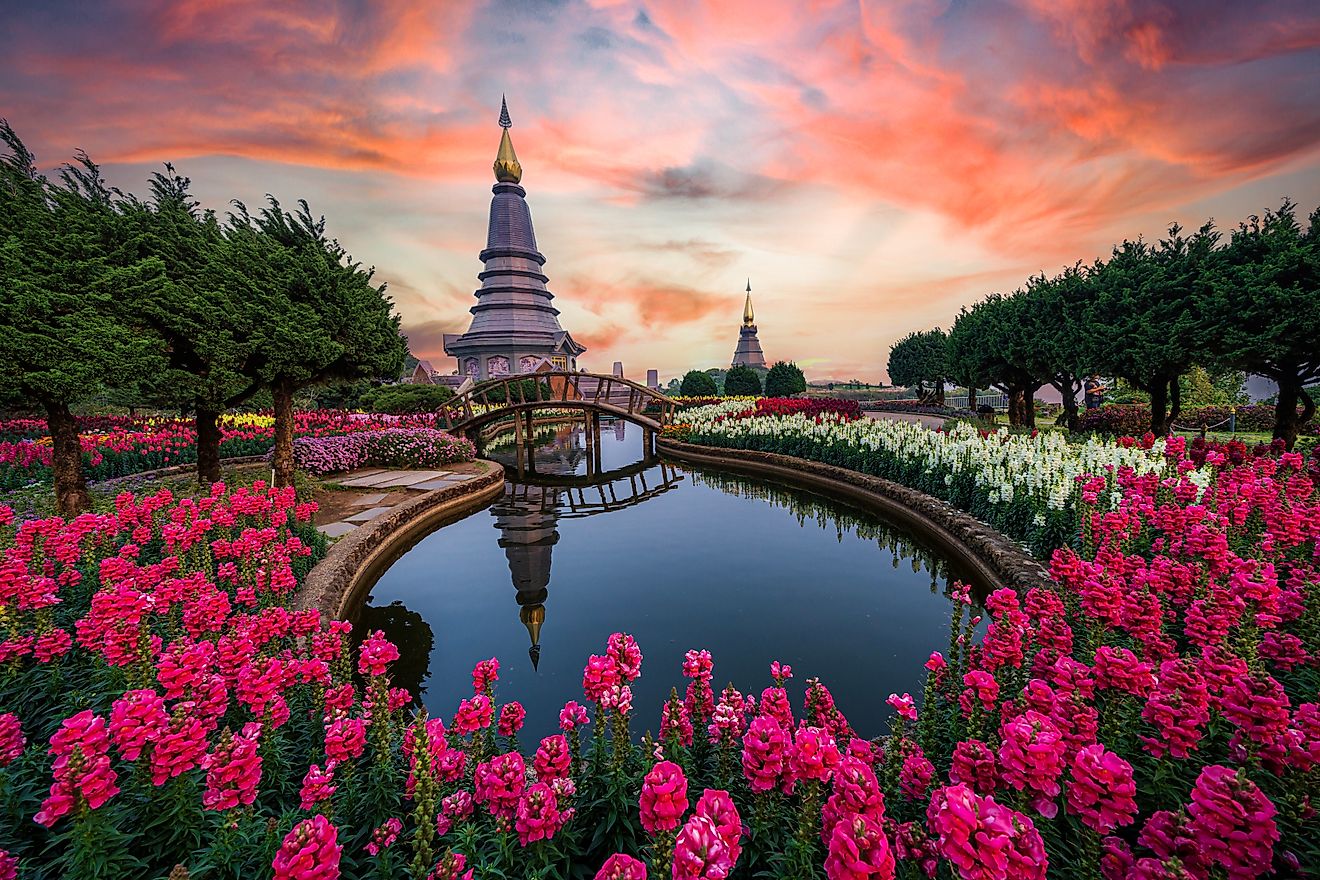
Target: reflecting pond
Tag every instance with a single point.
(682, 558)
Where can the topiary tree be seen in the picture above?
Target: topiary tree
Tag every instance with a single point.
(742, 381)
(328, 321)
(65, 279)
(920, 359)
(698, 384)
(1264, 310)
(784, 380)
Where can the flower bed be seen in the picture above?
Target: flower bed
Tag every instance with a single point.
(1153, 715)
(116, 446)
(1027, 486)
(388, 447)
(1134, 419)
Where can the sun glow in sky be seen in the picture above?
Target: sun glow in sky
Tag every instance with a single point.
(870, 166)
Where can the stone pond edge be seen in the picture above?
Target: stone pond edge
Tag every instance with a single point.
(355, 561)
(973, 545)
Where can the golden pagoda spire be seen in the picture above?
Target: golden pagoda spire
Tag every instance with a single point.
(507, 169)
(532, 616)
(749, 318)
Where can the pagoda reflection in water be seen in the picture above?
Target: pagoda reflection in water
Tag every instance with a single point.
(543, 483)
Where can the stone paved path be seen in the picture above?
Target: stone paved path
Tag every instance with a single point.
(389, 488)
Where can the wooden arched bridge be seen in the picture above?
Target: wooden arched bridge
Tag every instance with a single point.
(593, 394)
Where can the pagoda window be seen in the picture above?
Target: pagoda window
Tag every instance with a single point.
(560, 363)
(527, 363)
(498, 365)
(471, 367)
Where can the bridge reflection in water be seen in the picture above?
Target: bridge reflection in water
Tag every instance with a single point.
(543, 485)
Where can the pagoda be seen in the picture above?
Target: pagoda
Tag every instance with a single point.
(748, 353)
(514, 327)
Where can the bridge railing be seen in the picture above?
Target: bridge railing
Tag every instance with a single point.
(605, 393)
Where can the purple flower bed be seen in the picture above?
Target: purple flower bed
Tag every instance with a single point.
(391, 447)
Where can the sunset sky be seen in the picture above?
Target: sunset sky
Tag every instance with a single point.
(870, 166)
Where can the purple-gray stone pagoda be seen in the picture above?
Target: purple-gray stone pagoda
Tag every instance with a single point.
(514, 327)
(748, 353)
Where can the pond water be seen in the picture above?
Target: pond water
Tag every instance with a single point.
(680, 557)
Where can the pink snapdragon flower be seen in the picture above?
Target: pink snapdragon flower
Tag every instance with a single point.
(137, 719)
(700, 853)
(904, 705)
(500, 782)
(984, 840)
(456, 807)
(317, 785)
(814, 754)
(376, 654)
(512, 716)
(765, 753)
(473, 715)
(12, 741)
(1102, 792)
(1232, 822)
(538, 816)
(599, 676)
(310, 851)
(718, 807)
(484, 676)
(233, 770)
(622, 649)
(621, 867)
(552, 760)
(974, 766)
(572, 715)
(859, 850)
(664, 798)
(384, 836)
(1031, 758)
(82, 770)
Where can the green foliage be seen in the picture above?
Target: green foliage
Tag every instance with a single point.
(784, 380)
(919, 360)
(405, 398)
(66, 281)
(1199, 387)
(525, 389)
(698, 384)
(742, 381)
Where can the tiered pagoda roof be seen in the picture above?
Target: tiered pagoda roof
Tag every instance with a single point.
(748, 353)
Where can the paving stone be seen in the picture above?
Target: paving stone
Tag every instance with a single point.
(442, 483)
(336, 529)
(372, 480)
(362, 472)
(369, 500)
(369, 513)
(407, 478)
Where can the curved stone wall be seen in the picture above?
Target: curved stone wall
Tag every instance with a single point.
(355, 561)
(996, 559)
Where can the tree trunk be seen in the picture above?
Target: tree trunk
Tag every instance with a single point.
(1287, 423)
(1159, 405)
(1017, 405)
(939, 392)
(1029, 407)
(1067, 388)
(208, 446)
(283, 396)
(71, 496)
(971, 397)
(1175, 403)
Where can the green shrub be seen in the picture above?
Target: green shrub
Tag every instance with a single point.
(531, 390)
(698, 384)
(784, 380)
(742, 381)
(398, 399)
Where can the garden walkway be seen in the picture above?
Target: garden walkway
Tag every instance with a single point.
(363, 495)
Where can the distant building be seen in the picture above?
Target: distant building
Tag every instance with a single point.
(514, 326)
(748, 353)
(421, 374)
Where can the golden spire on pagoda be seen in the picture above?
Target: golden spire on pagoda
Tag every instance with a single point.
(507, 169)
(748, 317)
